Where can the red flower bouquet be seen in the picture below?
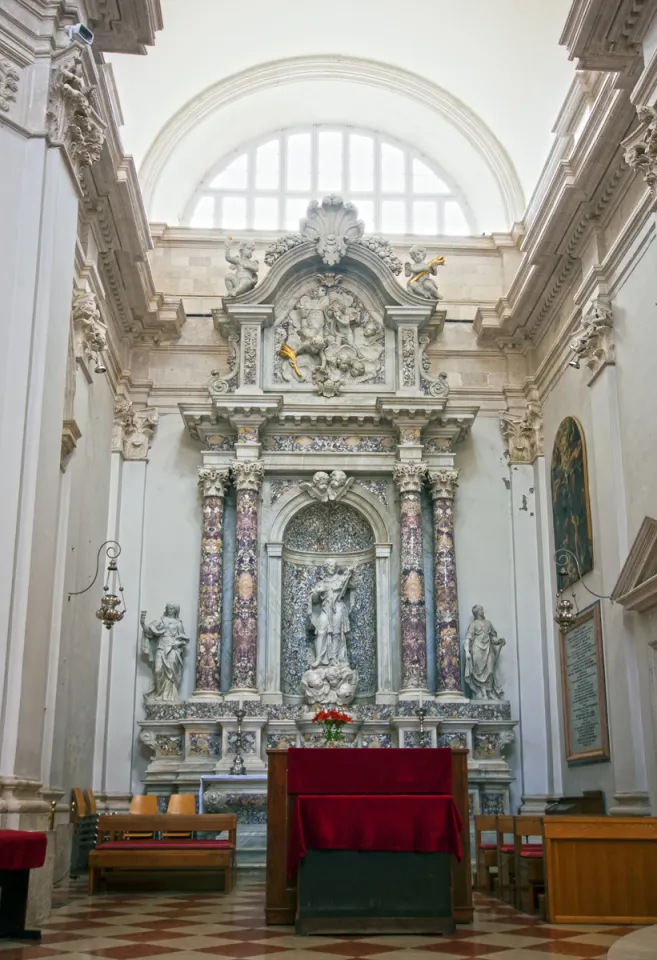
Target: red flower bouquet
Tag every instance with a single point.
(333, 722)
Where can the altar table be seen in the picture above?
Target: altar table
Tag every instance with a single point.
(20, 852)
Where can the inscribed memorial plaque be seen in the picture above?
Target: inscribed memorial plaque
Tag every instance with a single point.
(584, 695)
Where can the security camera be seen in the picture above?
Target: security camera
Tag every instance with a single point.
(79, 32)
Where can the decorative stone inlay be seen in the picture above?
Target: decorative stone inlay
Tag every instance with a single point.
(248, 476)
(491, 746)
(247, 434)
(210, 595)
(89, 330)
(278, 489)
(378, 489)
(452, 741)
(248, 742)
(376, 740)
(204, 745)
(492, 804)
(594, 339)
(166, 745)
(410, 435)
(216, 441)
(384, 251)
(408, 477)
(327, 488)
(641, 146)
(9, 78)
(133, 429)
(249, 807)
(408, 358)
(438, 445)
(330, 529)
(73, 119)
(250, 356)
(415, 739)
(289, 443)
(523, 434)
(281, 741)
(443, 484)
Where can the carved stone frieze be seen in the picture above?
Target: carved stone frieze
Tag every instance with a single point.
(408, 358)
(73, 118)
(409, 476)
(443, 483)
(133, 429)
(250, 357)
(641, 146)
(523, 434)
(89, 330)
(594, 339)
(213, 481)
(248, 474)
(9, 78)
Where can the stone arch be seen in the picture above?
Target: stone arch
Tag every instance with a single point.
(361, 500)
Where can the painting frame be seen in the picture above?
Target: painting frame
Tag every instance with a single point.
(571, 502)
(601, 754)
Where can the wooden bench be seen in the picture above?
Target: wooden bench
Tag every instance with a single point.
(529, 864)
(116, 852)
(486, 853)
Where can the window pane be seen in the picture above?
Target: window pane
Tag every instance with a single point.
(233, 213)
(203, 216)
(298, 161)
(361, 162)
(267, 160)
(426, 181)
(365, 212)
(455, 222)
(295, 210)
(392, 169)
(425, 216)
(329, 176)
(266, 213)
(393, 216)
(232, 177)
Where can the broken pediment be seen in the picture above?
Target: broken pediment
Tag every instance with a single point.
(636, 588)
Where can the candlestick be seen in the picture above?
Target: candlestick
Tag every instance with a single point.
(238, 768)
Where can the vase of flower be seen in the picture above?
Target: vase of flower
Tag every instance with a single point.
(332, 722)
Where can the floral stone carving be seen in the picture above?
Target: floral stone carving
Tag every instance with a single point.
(641, 146)
(9, 78)
(384, 251)
(327, 488)
(593, 342)
(90, 331)
(133, 430)
(523, 434)
(73, 117)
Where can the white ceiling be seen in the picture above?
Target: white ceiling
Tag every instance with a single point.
(499, 58)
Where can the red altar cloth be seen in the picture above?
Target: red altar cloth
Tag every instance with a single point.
(22, 850)
(422, 824)
(365, 771)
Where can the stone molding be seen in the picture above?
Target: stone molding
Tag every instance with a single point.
(443, 484)
(409, 476)
(607, 36)
(641, 147)
(636, 587)
(248, 474)
(73, 117)
(523, 434)
(213, 482)
(594, 338)
(9, 79)
(70, 436)
(133, 430)
(89, 330)
(121, 27)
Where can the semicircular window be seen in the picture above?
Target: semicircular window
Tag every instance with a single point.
(268, 184)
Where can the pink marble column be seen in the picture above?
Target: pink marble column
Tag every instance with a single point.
(412, 606)
(210, 595)
(448, 642)
(248, 476)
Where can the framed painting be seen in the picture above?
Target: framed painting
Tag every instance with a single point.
(571, 507)
(584, 691)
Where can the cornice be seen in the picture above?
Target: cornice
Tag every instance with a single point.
(606, 35)
(124, 26)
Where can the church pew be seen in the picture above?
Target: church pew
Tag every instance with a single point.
(485, 853)
(529, 862)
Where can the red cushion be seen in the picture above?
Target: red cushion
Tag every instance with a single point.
(488, 846)
(532, 854)
(22, 849)
(163, 844)
(507, 848)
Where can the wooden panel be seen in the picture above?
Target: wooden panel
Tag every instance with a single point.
(116, 824)
(601, 869)
(462, 872)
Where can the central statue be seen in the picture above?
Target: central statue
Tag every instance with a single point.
(330, 679)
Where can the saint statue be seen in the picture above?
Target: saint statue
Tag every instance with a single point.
(482, 651)
(164, 642)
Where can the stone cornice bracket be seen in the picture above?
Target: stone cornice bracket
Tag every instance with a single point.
(641, 147)
(437, 386)
(73, 117)
(523, 434)
(409, 476)
(443, 484)
(594, 339)
(248, 474)
(124, 27)
(90, 332)
(220, 384)
(213, 481)
(607, 36)
(9, 78)
(133, 429)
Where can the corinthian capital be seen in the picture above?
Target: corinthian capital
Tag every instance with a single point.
(641, 146)
(212, 481)
(409, 476)
(248, 474)
(133, 430)
(523, 434)
(443, 484)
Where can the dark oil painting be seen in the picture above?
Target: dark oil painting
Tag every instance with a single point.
(571, 508)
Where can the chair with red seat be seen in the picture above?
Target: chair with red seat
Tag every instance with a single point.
(529, 864)
(486, 852)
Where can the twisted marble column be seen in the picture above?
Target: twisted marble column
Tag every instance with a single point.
(413, 617)
(448, 642)
(248, 476)
(210, 594)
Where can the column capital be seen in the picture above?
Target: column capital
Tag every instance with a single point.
(523, 434)
(408, 476)
(133, 429)
(443, 484)
(213, 481)
(594, 338)
(248, 474)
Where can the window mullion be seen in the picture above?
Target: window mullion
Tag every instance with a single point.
(314, 163)
(282, 177)
(250, 188)
(345, 178)
(377, 184)
(408, 179)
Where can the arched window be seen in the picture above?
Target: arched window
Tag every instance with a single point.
(268, 185)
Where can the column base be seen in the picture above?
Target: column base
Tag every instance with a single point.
(213, 695)
(451, 695)
(237, 694)
(407, 695)
(387, 698)
(272, 697)
(630, 805)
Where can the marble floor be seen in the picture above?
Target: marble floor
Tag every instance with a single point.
(179, 926)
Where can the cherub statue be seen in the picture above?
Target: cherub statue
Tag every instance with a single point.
(325, 488)
(245, 269)
(420, 273)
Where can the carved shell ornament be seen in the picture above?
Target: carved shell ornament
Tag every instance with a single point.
(331, 225)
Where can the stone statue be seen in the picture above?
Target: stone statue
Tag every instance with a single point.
(330, 679)
(327, 488)
(420, 273)
(482, 651)
(245, 269)
(164, 642)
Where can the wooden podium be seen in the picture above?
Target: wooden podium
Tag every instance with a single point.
(281, 890)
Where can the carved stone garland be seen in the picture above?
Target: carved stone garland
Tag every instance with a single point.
(9, 78)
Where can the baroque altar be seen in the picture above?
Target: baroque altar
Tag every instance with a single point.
(328, 481)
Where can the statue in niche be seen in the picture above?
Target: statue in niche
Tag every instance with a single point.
(482, 652)
(330, 679)
(245, 275)
(330, 339)
(164, 642)
(327, 488)
(420, 273)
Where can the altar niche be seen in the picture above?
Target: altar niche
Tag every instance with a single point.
(327, 546)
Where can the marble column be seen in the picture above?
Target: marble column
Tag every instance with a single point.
(248, 476)
(210, 593)
(412, 607)
(448, 641)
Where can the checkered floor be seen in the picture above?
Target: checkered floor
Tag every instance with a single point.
(180, 926)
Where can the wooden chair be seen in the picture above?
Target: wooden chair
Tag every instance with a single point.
(529, 863)
(78, 805)
(506, 866)
(142, 804)
(486, 853)
(91, 800)
(181, 804)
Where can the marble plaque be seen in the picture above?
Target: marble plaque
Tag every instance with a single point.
(584, 695)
